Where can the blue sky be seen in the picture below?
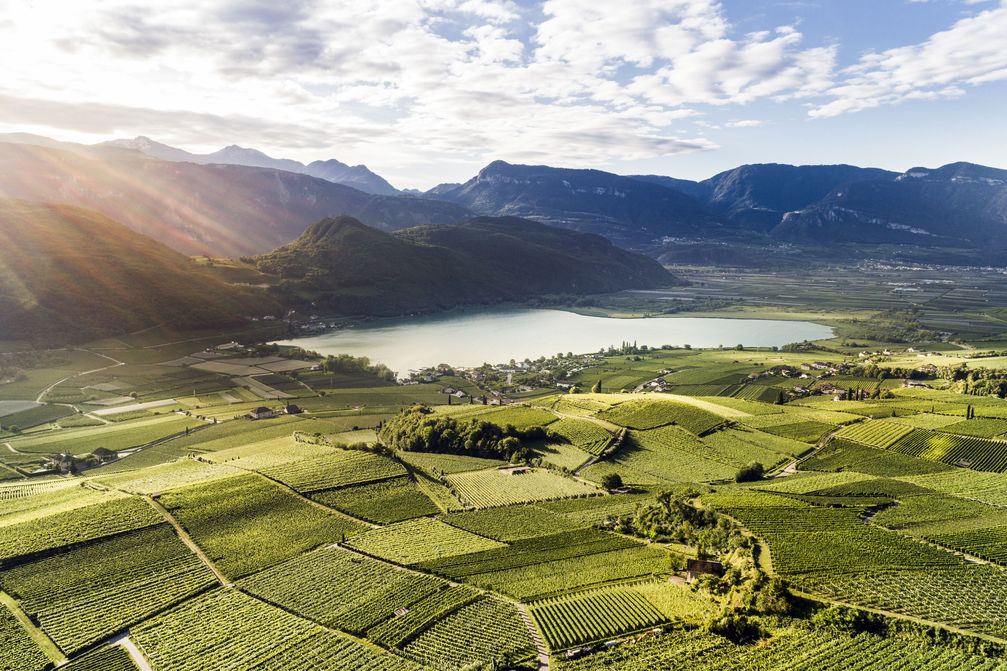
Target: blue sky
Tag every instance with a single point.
(426, 91)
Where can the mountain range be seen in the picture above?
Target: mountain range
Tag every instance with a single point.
(240, 201)
(357, 176)
(212, 209)
(957, 205)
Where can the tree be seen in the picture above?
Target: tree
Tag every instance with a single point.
(611, 481)
(750, 473)
(596, 389)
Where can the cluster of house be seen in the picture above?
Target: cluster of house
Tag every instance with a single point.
(490, 398)
(65, 463)
(262, 412)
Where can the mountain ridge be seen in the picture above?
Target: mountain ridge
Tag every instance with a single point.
(214, 209)
(357, 176)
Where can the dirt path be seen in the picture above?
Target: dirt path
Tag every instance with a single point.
(612, 447)
(116, 363)
(127, 643)
(187, 539)
(543, 652)
(47, 645)
(791, 468)
(304, 499)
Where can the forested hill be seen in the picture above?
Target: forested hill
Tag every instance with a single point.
(71, 274)
(349, 268)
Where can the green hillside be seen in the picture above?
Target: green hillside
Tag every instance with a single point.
(69, 273)
(352, 269)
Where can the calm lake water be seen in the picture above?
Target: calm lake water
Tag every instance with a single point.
(474, 338)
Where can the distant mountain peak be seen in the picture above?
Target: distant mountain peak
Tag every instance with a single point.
(359, 177)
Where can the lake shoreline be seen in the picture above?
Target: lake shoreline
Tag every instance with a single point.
(471, 337)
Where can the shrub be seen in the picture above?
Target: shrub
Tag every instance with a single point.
(611, 481)
(750, 473)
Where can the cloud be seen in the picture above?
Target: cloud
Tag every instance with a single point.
(180, 126)
(968, 54)
(399, 83)
(406, 83)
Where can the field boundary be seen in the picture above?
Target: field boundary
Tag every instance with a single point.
(42, 640)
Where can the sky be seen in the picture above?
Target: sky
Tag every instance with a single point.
(429, 91)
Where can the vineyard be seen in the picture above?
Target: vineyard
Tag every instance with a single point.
(842, 454)
(649, 414)
(877, 434)
(420, 540)
(385, 501)
(400, 629)
(245, 523)
(112, 658)
(669, 454)
(17, 651)
(227, 630)
(24, 489)
(585, 434)
(501, 487)
(791, 649)
(367, 592)
(805, 432)
(85, 594)
(511, 523)
(338, 469)
(244, 546)
(75, 526)
(970, 598)
(485, 631)
(979, 454)
(593, 616)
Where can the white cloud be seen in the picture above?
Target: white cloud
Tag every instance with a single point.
(968, 54)
(398, 84)
(406, 84)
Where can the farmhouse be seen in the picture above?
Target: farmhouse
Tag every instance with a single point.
(262, 412)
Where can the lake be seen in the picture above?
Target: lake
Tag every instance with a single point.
(496, 336)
